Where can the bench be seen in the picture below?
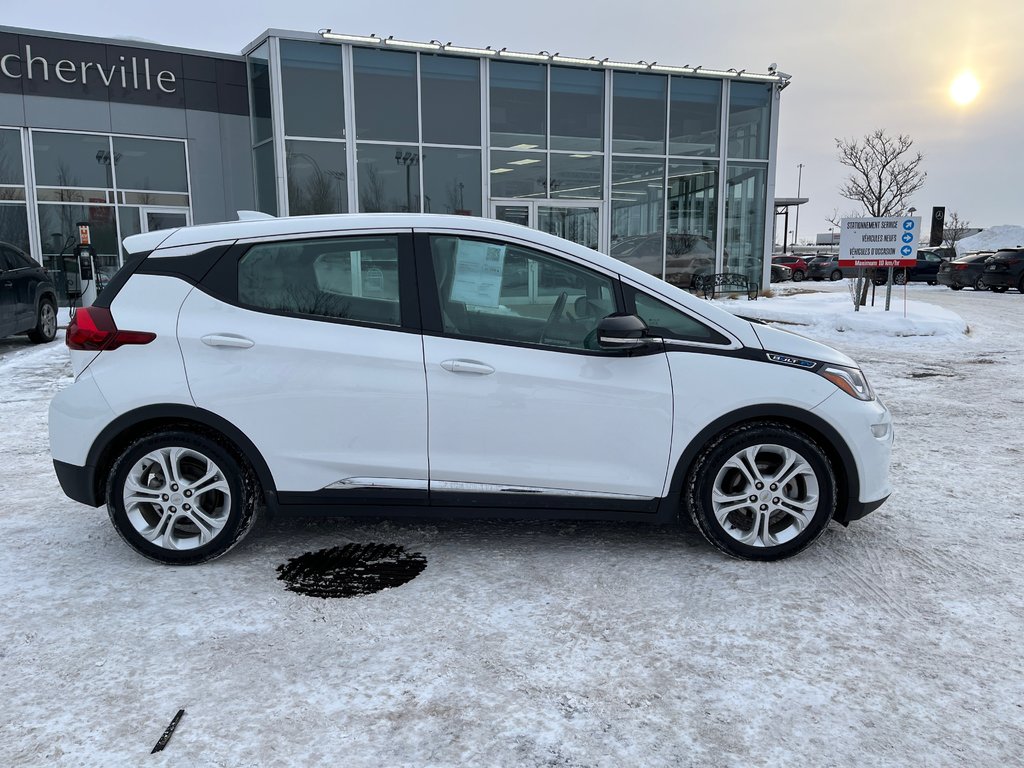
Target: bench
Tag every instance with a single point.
(725, 282)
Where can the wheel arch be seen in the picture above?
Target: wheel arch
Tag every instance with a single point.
(824, 434)
(146, 420)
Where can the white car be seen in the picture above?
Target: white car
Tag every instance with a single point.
(405, 364)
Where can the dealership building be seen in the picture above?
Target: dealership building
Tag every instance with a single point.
(669, 168)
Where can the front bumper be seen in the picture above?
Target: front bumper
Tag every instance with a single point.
(855, 510)
(78, 483)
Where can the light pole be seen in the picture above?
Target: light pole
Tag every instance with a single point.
(408, 159)
(796, 225)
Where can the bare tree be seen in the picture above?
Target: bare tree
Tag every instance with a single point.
(955, 230)
(884, 172)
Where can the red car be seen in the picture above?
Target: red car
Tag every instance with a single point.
(795, 263)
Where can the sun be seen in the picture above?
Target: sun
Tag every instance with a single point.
(964, 88)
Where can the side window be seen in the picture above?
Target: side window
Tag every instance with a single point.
(669, 323)
(6, 262)
(347, 278)
(505, 292)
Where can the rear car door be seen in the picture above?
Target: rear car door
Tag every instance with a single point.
(311, 347)
(524, 406)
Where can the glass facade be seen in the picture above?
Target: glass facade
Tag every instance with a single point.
(13, 208)
(668, 172)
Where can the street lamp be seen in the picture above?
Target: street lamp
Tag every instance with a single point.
(408, 159)
(799, 179)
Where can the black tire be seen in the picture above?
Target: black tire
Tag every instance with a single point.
(711, 462)
(46, 323)
(899, 277)
(1020, 285)
(798, 275)
(836, 275)
(979, 285)
(933, 282)
(238, 511)
(956, 286)
(999, 288)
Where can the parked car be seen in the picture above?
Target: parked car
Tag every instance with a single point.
(925, 270)
(797, 264)
(1004, 270)
(825, 267)
(967, 270)
(28, 301)
(781, 273)
(233, 366)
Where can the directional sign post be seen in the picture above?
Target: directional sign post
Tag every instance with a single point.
(889, 241)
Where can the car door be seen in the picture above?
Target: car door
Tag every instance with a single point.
(524, 406)
(311, 347)
(8, 295)
(24, 274)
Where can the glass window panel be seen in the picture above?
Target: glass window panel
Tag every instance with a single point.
(746, 187)
(692, 219)
(504, 292)
(749, 120)
(519, 174)
(312, 89)
(72, 195)
(12, 169)
(578, 177)
(259, 88)
(389, 178)
(12, 193)
(130, 222)
(638, 213)
(577, 109)
(385, 90)
(14, 225)
(451, 181)
(518, 105)
(266, 178)
(153, 198)
(58, 232)
(450, 99)
(71, 160)
(695, 117)
(639, 113)
(577, 223)
(149, 164)
(352, 278)
(670, 323)
(316, 177)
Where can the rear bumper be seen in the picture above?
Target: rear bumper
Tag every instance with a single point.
(78, 483)
(998, 278)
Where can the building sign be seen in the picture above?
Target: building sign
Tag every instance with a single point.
(879, 242)
(130, 72)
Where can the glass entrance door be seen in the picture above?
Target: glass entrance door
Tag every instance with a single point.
(579, 222)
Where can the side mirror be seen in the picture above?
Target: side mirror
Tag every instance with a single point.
(624, 332)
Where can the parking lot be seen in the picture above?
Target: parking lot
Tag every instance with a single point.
(892, 642)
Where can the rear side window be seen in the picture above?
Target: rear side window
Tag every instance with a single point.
(347, 278)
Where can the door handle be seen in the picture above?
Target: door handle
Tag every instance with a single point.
(467, 366)
(8, 283)
(227, 340)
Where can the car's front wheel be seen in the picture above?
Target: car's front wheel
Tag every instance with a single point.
(761, 491)
(979, 285)
(46, 323)
(181, 498)
(798, 275)
(836, 275)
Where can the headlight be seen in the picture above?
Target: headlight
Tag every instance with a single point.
(851, 380)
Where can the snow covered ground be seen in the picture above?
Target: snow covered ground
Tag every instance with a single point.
(893, 642)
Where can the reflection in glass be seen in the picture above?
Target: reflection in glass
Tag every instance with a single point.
(576, 176)
(72, 160)
(577, 109)
(639, 113)
(14, 224)
(749, 120)
(695, 117)
(451, 181)
(385, 91)
(12, 170)
(130, 223)
(692, 217)
(450, 99)
(514, 214)
(518, 105)
(578, 224)
(150, 164)
(311, 88)
(518, 174)
(266, 181)
(316, 177)
(638, 213)
(389, 178)
(259, 90)
(744, 219)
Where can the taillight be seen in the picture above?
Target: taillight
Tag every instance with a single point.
(959, 266)
(93, 329)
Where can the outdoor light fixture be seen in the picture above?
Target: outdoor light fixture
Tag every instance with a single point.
(431, 46)
(667, 68)
(518, 55)
(573, 60)
(368, 39)
(625, 64)
(449, 48)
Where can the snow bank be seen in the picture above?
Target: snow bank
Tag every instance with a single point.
(992, 239)
(828, 314)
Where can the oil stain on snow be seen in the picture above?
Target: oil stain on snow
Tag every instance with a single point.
(352, 570)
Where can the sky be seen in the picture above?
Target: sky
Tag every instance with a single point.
(855, 66)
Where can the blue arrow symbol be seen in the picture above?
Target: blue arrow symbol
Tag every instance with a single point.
(906, 250)
(907, 237)
(908, 224)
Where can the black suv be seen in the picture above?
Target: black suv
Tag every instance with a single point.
(926, 270)
(28, 302)
(1005, 270)
(967, 270)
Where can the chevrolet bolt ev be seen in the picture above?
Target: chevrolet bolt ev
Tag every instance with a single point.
(401, 364)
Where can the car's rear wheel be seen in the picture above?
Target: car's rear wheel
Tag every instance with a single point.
(956, 286)
(181, 498)
(761, 491)
(979, 285)
(46, 323)
(899, 277)
(836, 275)
(798, 275)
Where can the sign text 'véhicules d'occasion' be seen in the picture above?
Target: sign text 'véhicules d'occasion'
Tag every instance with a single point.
(130, 71)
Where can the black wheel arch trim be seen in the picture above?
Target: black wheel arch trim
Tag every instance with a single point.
(844, 465)
(175, 414)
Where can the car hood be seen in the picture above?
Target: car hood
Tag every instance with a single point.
(776, 340)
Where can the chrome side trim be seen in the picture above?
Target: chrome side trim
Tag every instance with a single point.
(457, 487)
(398, 483)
